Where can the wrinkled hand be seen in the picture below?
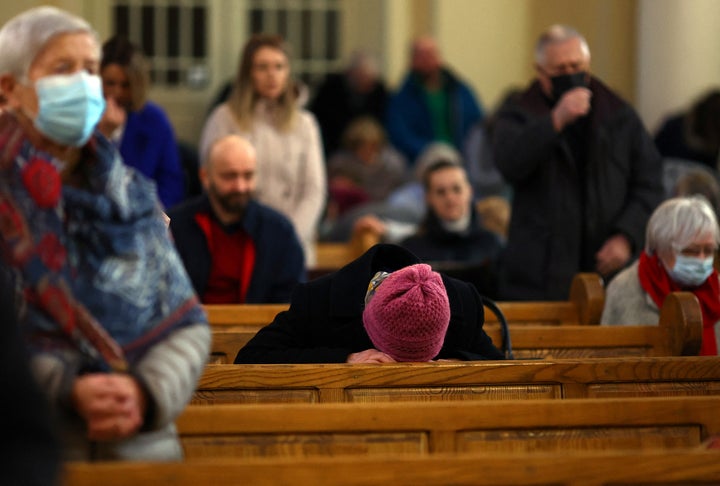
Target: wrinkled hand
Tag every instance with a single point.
(113, 405)
(571, 106)
(613, 255)
(369, 356)
(113, 117)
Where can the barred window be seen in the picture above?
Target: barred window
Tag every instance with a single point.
(173, 35)
(311, 27)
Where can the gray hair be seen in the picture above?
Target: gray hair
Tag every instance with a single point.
(555, 34)
(435, 153)
(24, 36)
(677, 222)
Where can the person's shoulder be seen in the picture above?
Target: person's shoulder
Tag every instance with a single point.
(152, 117)
(221, 112)
(625, 280)
(186, 208)
(607, 102)
(269, 215)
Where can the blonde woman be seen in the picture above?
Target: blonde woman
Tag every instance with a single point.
(265, 108)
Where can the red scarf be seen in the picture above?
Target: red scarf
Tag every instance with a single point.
(657, 283)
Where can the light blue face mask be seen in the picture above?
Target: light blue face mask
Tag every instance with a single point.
(691, 271)
(69, 107)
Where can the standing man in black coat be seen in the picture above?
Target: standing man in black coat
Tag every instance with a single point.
(383, 307)
(585, 173)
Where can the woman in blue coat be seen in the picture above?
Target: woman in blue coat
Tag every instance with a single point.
(140, 128)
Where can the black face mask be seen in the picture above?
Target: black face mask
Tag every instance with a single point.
(565, 82)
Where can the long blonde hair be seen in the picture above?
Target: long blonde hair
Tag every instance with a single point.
(243, 97)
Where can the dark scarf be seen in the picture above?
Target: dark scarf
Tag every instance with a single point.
(658, 284)
(97, 264)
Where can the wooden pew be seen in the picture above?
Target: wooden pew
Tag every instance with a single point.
(333, 256)
(587, 297)
(491, 380)
(594, 468)
(450, 427)
(679, 333)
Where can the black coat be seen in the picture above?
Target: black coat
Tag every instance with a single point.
(563, 210)
(433, 243)
(324, 322)
(32, 449)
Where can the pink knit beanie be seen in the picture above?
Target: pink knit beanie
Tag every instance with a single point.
(409, 313)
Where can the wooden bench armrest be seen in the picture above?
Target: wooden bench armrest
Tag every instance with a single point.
(588, 294)
(684, 308)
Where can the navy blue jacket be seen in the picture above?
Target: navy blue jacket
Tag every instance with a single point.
(324, 323)
(279, 261)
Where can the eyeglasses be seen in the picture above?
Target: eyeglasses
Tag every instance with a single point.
(698, 251)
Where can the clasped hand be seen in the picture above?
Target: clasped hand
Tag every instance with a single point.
(113, 405)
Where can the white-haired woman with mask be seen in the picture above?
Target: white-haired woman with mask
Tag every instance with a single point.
(682, 237)
(116, 335)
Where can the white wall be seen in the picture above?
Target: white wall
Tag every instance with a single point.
(678, 55)
(487, 42)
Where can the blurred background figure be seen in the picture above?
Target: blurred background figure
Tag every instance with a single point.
(357, 91)
(139, 127)
(399, 216)
(693, 135)
(365, 168)
(451, 237)
(431, 105)
(699, 182)
(265, 107)
(681, 243)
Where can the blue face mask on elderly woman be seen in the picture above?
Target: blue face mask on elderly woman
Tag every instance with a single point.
(691, 271)
(69, 107)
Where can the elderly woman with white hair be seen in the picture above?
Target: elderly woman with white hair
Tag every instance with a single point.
(116, 335)
(682, 237)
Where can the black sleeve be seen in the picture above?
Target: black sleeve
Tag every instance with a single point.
(292, 337)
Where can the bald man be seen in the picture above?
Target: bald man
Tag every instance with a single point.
(432, 105)
(235, 249)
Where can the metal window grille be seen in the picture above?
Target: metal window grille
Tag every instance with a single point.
(311, 27)
(172, 34)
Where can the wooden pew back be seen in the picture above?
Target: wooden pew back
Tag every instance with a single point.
(450, 427)
(678, 333)
(594, 468)
(587, 297)
(431, 382)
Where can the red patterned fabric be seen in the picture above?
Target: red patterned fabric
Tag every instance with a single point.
(42, 181)
(658, 284)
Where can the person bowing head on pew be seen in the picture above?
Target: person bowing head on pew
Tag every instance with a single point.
(680, 245)
(116, 334)
(383, 307)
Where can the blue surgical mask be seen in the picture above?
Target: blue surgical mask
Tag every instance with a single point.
(69, 107)
(691, 271)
